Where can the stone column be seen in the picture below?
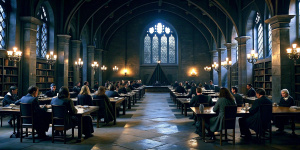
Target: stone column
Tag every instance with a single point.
(98, 58)
(214, 58)
(229, 46)
(245, 68)
(90, 60)
(75, 46)
(62, 60)
(220, 51)
(28, 61)
(283, 71)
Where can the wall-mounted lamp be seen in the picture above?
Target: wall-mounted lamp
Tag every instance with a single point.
(51, 59)
(215, 66)
(125, 72)
(14, 55)
(79, 63)
(193, 72)
(226, 64)
(293, 53)
(103, 68)
(252, 58)
(206, 68)
(158, 61)
(95, 65)
(115, 69)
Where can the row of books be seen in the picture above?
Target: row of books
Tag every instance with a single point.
(43, 66)
(44, 79)
(44, 73)
(11, 79)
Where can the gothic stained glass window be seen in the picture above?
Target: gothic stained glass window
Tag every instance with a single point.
(164, 49)
(147, 49)
(270, 41)
(155, 49)
(260, 36)
(2, 25)
(42, 33)
(160, 45)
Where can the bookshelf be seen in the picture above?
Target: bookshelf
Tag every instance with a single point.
(44, 75)
(8, 75)
(234, 75)
(70, 77)
(263, 76)
(297, 82)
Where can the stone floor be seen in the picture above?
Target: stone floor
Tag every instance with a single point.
(153, 123)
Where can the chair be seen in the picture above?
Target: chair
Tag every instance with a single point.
(27, 119)
(103, 110)
(61, 121)
(265, 123)
(229, 122)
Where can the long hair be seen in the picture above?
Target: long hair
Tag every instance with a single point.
(85, 90)
(224, 92)
(63, 93)
(101, 91)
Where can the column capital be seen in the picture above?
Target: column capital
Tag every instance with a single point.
(279, 21)
(30, 19)
(242, 39)
(229, 45)
(76, 41)
(63, 38)
(99, 49)
(91, 49)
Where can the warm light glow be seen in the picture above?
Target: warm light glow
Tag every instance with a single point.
(294, 45)
(79, 63)
(51, 53)
(103, 68)
(47, 56)
(9, 53)
(14, 55)
(206, 68)
(55, 57)
(252, 57)
(248, 56)
(289, 50)
(193, 72)
(252, 52)
(115, 68)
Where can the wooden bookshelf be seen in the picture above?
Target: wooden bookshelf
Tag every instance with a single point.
(297, 82)
(44, 75)
(234, 75)
(263, 76)
(70, 77)
(8, 75)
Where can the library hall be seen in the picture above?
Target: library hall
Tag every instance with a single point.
(149, 74)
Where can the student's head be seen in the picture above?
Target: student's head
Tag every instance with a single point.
(85, 90)
(211, 82)
(53, 87)
(13, 90)
(63, 93)
(200, 85)
(96, 82)
(86, 83)
(180, 84)
(111, 87)
(249, 85)
(234, 89)
(260, 92)
(224, 92)
(33, 90)
(101, 90)
(199, 90)
(78, 84)
(284, 93)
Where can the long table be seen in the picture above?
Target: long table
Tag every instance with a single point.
(277, 111)
(80, 113)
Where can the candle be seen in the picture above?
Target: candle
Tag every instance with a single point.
(298, 50)
(47, 56)
(255, 55)
(15, 49)
(230, 62)
(226, 58)
(289, 50)
(248, 56)
(75, 62)
(51, 53)
(252, 52)
(55, 56)
(294, 45)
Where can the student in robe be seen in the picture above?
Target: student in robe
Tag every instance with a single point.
(180, 89)
(84, 97)
(52, 92)
(108, 112)
(251, 91)
(238, 98)
(77, 88)
(10, 98)
(111, 92)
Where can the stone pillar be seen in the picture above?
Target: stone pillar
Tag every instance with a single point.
(283, 73)
(220, 51)
(98, 58)
(75, 46)
(229, 46)
(62, 60)
(28, 61)
(90, 60)
(244, 70)
(214, 58)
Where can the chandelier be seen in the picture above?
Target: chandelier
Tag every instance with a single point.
(51, 59)
(293, 53)
(14, 55)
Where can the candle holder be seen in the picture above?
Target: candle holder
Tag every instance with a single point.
(215, 66)
(14, 55)
(206, 68)
(95, 65)
(115, 69)
(252, 58)
(79, 63)
(51, 59)
(227, 63)
(125, 72)
(103, 68)
(193, 73)
(293, 53)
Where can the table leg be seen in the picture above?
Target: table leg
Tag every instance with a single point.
(115, 112)
(185, 109)
(129, 103)
(182, 109)
(293, 126)
(132, 99)
(124, 106)
(203, 128)
(79, 138)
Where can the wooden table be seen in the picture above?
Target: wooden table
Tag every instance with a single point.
(249, 100)
(276, 111)
(80, 113)
(185, 103)
(116, 102)
(130, 98)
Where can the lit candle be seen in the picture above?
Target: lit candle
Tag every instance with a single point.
(294, 45)
(9, 53)
(76, 63)
(51, 53)
(248, 56)
(289, 50)
(252, 52)
(47, 56)
(230, 62)
(298, 50)
(227, 59)
(255, 55)
(55, 56)
(81, 62)
(15, 49)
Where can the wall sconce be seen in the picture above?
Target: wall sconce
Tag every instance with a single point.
(14, 55)
(252, 58)
(206, 68)
(158, 61)
(115, 68)
(79, 63)
(293, 53)
(215, 66)
(95, 65)
(193, 73)
(103, 68)
(125, 72)
(226, 64)
(51, 59)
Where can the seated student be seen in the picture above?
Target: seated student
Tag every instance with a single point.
(214, 124)
(84, 97)
(238, 98)
(10, 98)
(206, 86)
(180, 89)
(187, 85)
(112, 92)
(52, 92)
(251, 121)
(285, 101)
(42, 118)
(96, 86)
(100, 94)
(251, 91)
(127, 87)
(130, 85)
(211, 85)
(193, 90)
(122, 89)
(77, 88)
(64, 99)
(199, 98)
(175, 85)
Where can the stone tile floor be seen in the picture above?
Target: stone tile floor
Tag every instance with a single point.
(153, 123)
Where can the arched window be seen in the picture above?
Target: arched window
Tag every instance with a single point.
(270, 40)
(160, 45)
(42, 33)
(260, 36)
(3, 24)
